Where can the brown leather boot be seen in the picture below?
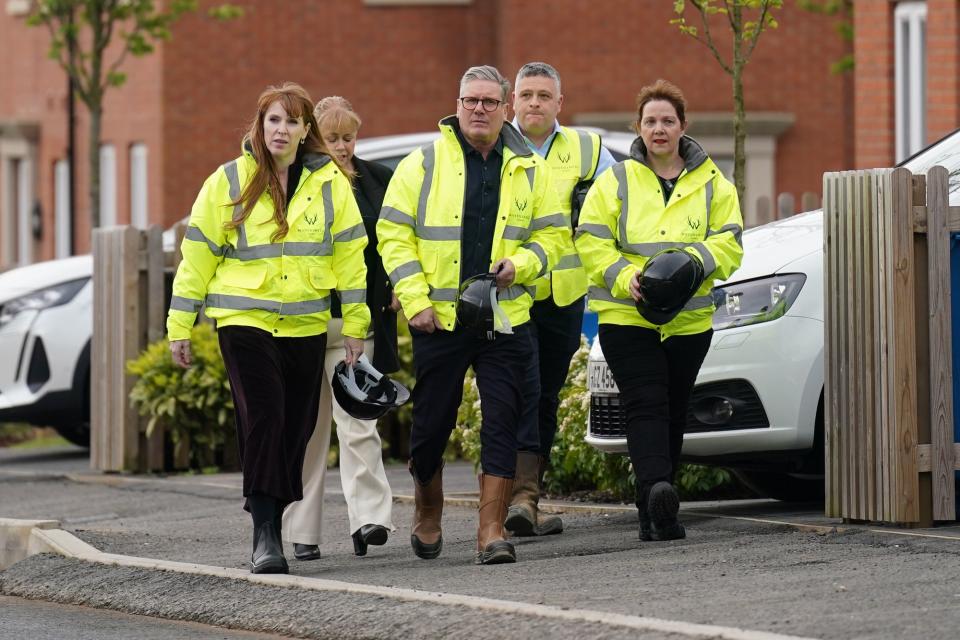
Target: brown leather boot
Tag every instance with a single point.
(426, 537)
(494, 496)
(524, 517)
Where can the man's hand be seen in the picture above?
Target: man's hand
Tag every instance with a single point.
(506, 273)
(426, 321)
(635, 286)
(180, 350)
(352, 350)
(394, 302)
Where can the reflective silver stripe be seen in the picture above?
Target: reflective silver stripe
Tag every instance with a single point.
(599, 293)
(404, 270)
(429, 157)
(256, 252)
(620, 173)
(648, 249)
(552, 220)
(511, 232)
(353, 233)
(395, 215)
(178, 303)
(735, 229)
(596, 230)
(568, 262)
(611, 273)
(709, 202)
(352, 296)
(328, 214)
(305, 307)
(586, 154)
(438, 233)
(709, 264)
(241, 303)
(700, 302)
(307, 249)
(537, 249)
(531, 176)
(195, 234)
(443, 295)
(515, 291)
(233, 179)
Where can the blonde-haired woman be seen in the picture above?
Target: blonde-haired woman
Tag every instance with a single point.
(269, 241)
(365, 487)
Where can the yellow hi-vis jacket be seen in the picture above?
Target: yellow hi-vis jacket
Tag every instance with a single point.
(421, 224)
(282, 287)
(624, 222)
(573, 156)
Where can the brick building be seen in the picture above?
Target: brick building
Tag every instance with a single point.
(184, 108)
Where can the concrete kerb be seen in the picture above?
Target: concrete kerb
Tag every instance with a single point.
(29, 537)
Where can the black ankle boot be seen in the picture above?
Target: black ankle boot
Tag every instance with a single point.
(663, 504)
(368, 534)
(306, 551)
(267, 551)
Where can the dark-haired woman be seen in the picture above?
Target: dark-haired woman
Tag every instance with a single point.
(271, 234)
(668, 194)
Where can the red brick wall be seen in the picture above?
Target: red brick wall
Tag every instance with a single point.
(943, 68)
(874, 82)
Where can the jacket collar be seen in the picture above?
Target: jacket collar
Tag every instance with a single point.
(512, 139)
(690, 151)
(311, 161)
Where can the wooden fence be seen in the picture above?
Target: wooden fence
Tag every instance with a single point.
(889, 409)
(129, 271)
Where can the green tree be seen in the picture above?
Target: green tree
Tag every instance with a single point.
(80, 33)
(747, 19)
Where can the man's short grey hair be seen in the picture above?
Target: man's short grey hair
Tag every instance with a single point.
(538, 69)
(489, 73)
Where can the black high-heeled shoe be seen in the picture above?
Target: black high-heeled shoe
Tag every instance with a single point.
(368, 534)
(306, 551)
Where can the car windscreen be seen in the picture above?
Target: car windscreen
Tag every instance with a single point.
(945, 153)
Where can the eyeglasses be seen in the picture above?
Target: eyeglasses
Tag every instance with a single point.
(489, 104)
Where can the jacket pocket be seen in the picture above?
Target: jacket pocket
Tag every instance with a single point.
(244, 277)
(322, 278)
(429, 260)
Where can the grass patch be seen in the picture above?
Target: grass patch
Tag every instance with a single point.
(42, 442)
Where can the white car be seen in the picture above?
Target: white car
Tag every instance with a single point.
(46, 319)
(758, 402)
(46, 324)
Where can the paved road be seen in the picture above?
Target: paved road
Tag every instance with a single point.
(732, 570)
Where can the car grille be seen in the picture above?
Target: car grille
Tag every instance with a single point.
(608, 416)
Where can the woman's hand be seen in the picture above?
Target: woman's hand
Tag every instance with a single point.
(635, 286)
(180, 350)
(394, 303)
(352, 350)
(426, 321)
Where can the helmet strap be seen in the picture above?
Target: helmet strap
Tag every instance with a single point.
(501, 323)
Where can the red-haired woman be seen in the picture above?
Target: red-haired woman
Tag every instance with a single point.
(271, 234)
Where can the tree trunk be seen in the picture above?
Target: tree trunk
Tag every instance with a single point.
(739, 113)
(93, 157)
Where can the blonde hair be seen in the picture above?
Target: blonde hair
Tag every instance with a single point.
(337, 113)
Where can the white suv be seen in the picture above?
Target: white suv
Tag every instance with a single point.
(758, 403)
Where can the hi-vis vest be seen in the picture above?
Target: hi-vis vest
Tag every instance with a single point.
(624, 222)
(573, 156)
(420, 226)
(244, 278)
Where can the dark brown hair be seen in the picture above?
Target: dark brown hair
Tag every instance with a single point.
(661, 90)
(297, 103)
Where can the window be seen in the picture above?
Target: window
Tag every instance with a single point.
(910, 47)
(138, 186)
(108, 186)
(62, 207)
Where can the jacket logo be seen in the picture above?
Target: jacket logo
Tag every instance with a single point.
(693, 224)
(311, 220)
(564, 158)
(521, 206)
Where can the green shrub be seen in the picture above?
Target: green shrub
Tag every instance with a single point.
(193, 404)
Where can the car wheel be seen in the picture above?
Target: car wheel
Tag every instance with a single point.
(783, 486)
(78, 434)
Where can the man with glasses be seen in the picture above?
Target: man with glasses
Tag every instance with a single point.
(476, 201)
(576, 158)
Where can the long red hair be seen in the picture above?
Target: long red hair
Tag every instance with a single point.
(296, 102)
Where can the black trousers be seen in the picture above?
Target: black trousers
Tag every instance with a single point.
(556, 337)
(440, 361)
(655, 379)
(275, 384)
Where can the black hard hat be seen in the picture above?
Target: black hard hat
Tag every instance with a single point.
(364, 392)
(475, 304)
(668, 281)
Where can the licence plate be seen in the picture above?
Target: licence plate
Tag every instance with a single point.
(599, 378)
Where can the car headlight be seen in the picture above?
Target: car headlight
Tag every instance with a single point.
(41, 299)
(755, 301)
